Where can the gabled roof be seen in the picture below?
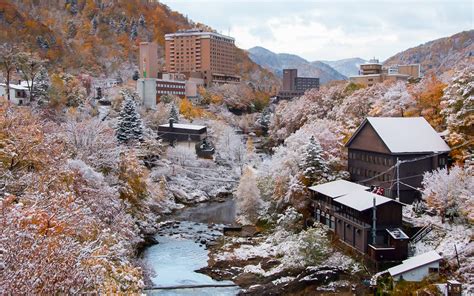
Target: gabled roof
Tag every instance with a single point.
(415, 262)
(405, 134)
(361, 200)
(337, 188)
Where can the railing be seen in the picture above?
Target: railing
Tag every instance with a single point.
(421, 233)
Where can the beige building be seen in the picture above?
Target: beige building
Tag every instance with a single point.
(374, 72)
(148, 63)
(208, 54)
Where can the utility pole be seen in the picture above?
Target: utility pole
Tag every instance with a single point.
(398, 179)
(374, 223)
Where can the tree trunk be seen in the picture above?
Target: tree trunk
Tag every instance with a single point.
(8, 84)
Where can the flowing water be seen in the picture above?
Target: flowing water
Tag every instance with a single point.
(181, 250)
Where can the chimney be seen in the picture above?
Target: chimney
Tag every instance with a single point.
(171, 122)
(374, 222)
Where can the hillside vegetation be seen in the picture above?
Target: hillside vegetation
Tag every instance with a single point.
(440, 55)
(99, 37)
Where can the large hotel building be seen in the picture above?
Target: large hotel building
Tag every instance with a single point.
(206, 54)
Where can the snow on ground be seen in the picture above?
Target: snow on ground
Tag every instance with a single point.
(443, 239)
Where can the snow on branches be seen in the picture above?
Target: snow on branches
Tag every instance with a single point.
(129, 126)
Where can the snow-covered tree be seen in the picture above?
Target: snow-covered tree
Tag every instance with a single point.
(394, 102)
(450, 192)
(457, 106)
(29, 66)
(313, 164)
(42, 85)
(248, 198)
(264, 120)
(67, 90)
(174, 114)
(129, 126)
(133, 30)
(142, 21)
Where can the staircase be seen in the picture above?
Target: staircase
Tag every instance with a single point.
(418, 236)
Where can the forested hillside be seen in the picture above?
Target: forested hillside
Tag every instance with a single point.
(98, 36)
(440, 55)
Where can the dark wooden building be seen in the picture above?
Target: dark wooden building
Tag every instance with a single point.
(348, 210)
(377, 145)
(177, 132)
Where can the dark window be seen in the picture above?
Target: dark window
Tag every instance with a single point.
(433, 270)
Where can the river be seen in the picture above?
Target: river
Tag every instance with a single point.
(181, 250)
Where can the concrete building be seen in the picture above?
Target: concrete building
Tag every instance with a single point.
(148, 60)
(294, 86)
(210, 54)
(416, 268)
(379, 142)
(374, 72)
(18, 93)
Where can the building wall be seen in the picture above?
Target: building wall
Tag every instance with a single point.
(289, 76)
(166, 87)
(203, 52)
(146, 88)
(148, 59)
(411, 70)
(416, 275)
(305, 83)
(366, 80)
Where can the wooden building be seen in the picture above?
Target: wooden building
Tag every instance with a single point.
(178, 132)
(379, 143)
(368, 222)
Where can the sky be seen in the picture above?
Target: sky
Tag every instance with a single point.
(331, 30)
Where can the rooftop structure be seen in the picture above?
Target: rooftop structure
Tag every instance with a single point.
(361, 200)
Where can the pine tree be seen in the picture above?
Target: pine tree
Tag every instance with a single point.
(133, 30)
(174, 114)
(314, 166)
(42, 85)
(129, 127)
(264, 120)
(142, 21)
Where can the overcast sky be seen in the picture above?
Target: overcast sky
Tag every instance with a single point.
(331, 30)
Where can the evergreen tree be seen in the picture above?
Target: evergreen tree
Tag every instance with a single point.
(314, 166)
(133, 30)
(42, 85)
(136, 75)
(142, 21)
(264, 120)
(174, 114)
(129, 127)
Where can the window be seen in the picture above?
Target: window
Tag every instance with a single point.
(433, 270)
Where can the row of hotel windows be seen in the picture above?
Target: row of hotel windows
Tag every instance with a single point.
(370, 158)
(369, 173)
(170, 85)
(170, 92)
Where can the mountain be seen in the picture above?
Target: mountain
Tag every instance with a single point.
(439, 55)
(277, 62)
(100, 37)
(347, 67)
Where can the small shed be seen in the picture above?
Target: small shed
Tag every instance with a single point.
(18, 93)
(182, 132)
(416, 268)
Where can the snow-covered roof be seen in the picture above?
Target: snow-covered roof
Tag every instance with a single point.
(415, 262)
(397, 233)
(337, 188)
(184, 126)
(406, 134)
(15, 86)
(361, 200)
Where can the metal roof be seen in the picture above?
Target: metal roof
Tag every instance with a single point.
(405, 134)
(337, 188)
(415, 262)
(361, 200)
(184, 126)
